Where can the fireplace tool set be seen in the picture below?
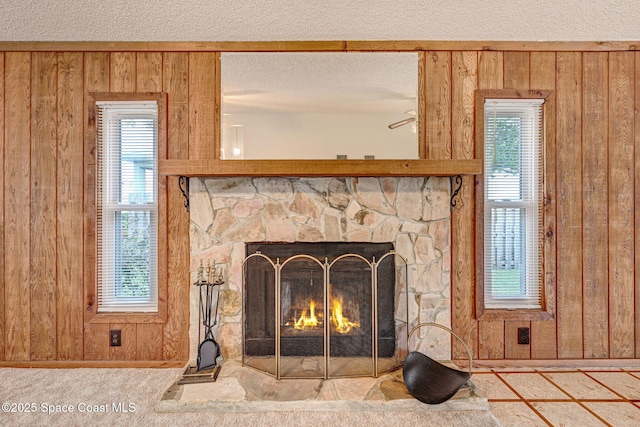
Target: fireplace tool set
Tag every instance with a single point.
(208, 350)
(207, 368)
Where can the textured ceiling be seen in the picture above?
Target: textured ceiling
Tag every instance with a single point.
(355, 82)
(249, 20)
(271, 20)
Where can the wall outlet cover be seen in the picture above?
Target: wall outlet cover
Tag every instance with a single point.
(115, 338)
(523, 335)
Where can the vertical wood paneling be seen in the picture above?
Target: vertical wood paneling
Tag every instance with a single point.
(2, 223)
(594, 195)
(217, 111)
(162, 213)
(569, 187)
(490, 70)
(149, 341)
(17, 209)
(176, 85)
(202, 78)
(621, 211)
(463, 84)
(127, 351)
(122, 75)
(490, 333)
(422, 111)
(149, 72)
(43, 205)
(176, 330)
(96, 336)
(636, 197)
(512, 349)
(70, 193)
(516, 70)
(96, 341)
(516, 76)
(591, 189)
(542, 76)
(438, 104)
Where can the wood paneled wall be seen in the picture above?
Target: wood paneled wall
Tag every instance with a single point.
(592, 183)
(592, 190)
(43, 267)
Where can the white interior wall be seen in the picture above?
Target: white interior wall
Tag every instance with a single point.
(247, 20)
(320, 136)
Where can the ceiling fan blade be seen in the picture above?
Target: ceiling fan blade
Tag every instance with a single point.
(402, 123)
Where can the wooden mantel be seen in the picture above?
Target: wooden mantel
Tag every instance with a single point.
(326, 168)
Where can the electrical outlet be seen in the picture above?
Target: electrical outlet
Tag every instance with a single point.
(523, 335)
(115, 338)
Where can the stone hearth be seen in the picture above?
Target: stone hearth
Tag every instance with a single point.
(242, 389)
(412, 213)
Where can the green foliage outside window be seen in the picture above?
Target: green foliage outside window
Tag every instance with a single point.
(135, 270)
(506, 154)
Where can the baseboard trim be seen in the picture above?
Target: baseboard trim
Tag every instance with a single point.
(484, 363)
(551, 363)
(61, 364)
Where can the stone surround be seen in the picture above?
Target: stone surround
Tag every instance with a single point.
(412, 213)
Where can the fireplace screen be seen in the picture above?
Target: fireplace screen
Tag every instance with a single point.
(324, 310)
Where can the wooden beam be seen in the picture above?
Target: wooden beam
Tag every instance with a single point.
(320, 45)
(356, 168)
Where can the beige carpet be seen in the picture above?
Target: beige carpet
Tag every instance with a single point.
(101, 396)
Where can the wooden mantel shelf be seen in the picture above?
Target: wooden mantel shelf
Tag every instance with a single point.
(324, 168)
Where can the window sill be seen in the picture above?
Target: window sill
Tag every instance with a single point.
(126, 318)
(522, 314)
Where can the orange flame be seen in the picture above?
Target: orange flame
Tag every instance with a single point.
(310, 321)
(339, 322)
(342, 324)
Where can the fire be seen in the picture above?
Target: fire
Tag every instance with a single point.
(310, 321)
(339, 322)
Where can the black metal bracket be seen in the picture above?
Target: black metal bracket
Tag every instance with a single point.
(183, 183)
(456, 190)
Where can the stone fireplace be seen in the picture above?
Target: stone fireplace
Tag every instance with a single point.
(231, 218)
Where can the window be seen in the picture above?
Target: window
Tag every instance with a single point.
(511, 228)
(127, 206)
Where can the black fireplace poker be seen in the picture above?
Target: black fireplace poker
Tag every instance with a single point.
(208, 350)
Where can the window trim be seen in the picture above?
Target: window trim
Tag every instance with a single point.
(90, 244)
(113, 209)
(548, 280)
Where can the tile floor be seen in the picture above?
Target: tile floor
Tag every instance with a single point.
(562, 397)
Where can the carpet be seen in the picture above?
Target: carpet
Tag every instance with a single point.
(116, 396)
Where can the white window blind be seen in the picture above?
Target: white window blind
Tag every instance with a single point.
(513, 173)
(127, 208)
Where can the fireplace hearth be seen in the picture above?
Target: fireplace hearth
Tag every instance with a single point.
(324, 310)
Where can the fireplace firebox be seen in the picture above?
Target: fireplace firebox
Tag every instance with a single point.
(324, 310)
